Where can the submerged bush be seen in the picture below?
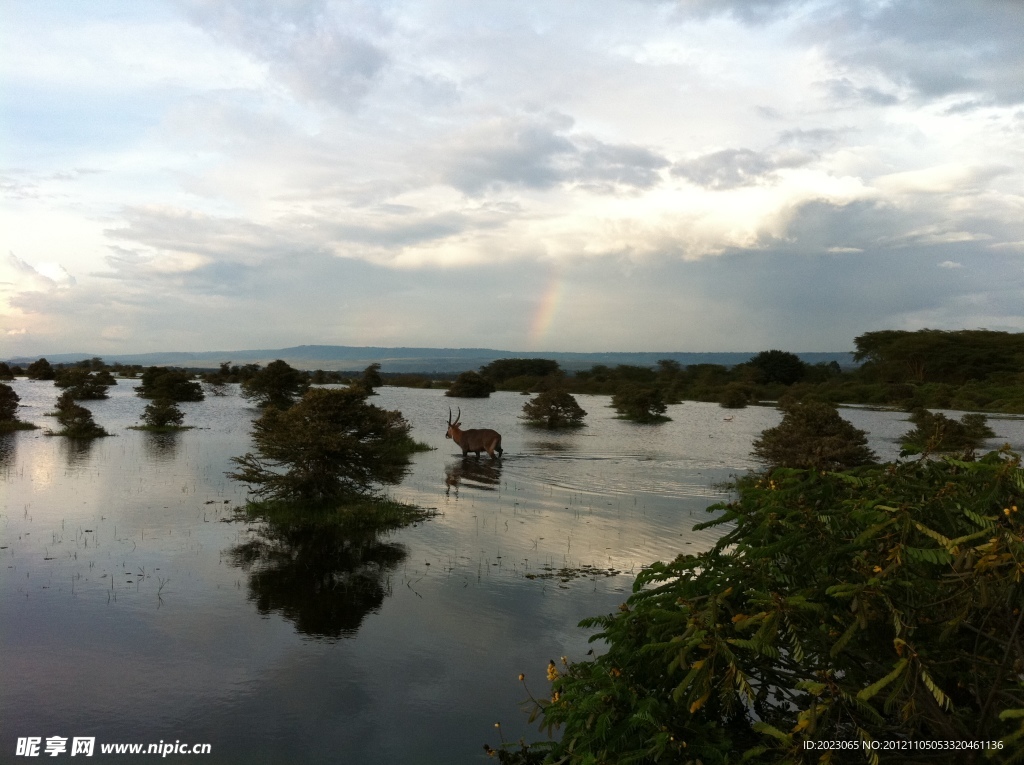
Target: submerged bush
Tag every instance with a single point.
(640, 404)
(172, 384)
(554, 409)
(40, 369)
(875, 605)
(330, 444)
(9, 410)
(76, 420)
(813, 435)
(82, 384)
(470, 385)
(163, 414)
(938, 433)
(278, 385)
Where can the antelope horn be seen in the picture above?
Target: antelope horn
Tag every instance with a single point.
(449, 415)
(458, 417)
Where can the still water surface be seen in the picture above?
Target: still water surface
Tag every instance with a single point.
(133, 609)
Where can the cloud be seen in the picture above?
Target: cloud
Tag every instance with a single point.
(44, 276)
(950, 264)
(843, 89)
(733, 168)
(928, 50)
(540, 152)
(941, 179)
(321, 51)
(748, 11)
(338, 167)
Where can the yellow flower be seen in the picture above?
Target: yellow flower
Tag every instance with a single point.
(877, 569)
(555, 697)
(552, 671)
(521, 677)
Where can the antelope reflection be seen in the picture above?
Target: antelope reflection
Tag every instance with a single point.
(485, 476)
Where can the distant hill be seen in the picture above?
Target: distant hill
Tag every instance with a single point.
(443, 360)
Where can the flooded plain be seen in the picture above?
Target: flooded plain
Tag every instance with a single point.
(134, 607)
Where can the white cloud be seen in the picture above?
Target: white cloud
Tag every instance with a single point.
(307, 140)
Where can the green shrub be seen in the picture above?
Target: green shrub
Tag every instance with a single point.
(330, 444)
(9, 411)
(163, 414)
(640, 404)
(172, 384)
(40, 370)
(876, 605)
(470, 385)
(82, 384)
(734, 396)
(554, 409)
(76, 420)
(813, 435)
(278, 385)
(938, 433)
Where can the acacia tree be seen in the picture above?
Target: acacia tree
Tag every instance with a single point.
(778, 367)
(328, 445)
(76, 420)
(813, 435)
(40, 370)
(9, 410)
(554, 409)
(470, 385)
(172, 384)
(82, 384)
(938, 433)
(278, 385)
(640, 404)
(163, 414)
(371, 378)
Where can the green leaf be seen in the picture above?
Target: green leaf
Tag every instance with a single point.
(878, 685)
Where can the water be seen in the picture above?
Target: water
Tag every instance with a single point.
(133, 611)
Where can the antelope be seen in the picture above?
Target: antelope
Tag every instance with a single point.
(476, 440)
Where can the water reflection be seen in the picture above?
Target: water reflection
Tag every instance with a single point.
(161, 447)
(325, 579)
(474, 473)
(8, 450)
(76, 451)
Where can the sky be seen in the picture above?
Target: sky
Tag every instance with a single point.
(600, 175)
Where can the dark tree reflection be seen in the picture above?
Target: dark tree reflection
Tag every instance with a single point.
(323, 577)
(161, 447)
(8, 450)
(77, 451)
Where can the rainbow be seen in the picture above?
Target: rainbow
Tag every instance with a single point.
(546, 309)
